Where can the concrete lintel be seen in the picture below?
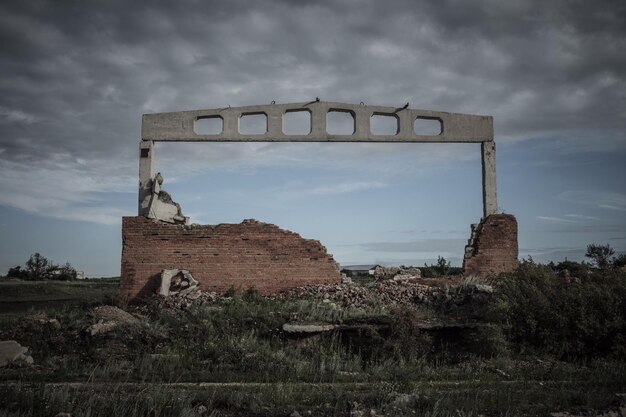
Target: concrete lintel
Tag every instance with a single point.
(179, 126)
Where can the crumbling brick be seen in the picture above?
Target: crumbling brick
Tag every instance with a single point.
(245, 255)
(493, 248)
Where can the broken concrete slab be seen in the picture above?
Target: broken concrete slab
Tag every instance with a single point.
(12, 352)
(161, 206)
(178, 282)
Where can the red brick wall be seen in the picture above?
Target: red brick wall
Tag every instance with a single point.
(494, 247)
(250, 254)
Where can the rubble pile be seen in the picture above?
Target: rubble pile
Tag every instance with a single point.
(107, 318)
(390, 292)
(401, 292)
(345, 294)
(180, 290)
(395, 273)
(182, 301)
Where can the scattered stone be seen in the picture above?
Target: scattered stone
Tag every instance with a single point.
(403, 277)
(54, 323)
(404, 401)
(102, 328)
(12, 352)
(202, 409)
(397, 273)
(295, 414)
(62, 414)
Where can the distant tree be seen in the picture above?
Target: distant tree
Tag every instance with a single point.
(600, 255)
(65, 272)
(443, 266)
(38, 267)
(440, 269)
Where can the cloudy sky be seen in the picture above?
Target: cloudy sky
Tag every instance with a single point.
(75, 78)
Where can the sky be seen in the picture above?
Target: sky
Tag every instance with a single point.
(75, 78)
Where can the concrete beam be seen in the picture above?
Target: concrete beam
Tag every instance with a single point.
(490, 196)
(180, 126)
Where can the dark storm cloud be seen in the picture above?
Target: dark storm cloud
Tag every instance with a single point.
(75, 78)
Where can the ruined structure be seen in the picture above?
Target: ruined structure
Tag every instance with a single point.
(259, 255)
(249, 254)
(492, 247)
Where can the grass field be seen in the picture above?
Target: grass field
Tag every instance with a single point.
(230, 358)
(17, 297)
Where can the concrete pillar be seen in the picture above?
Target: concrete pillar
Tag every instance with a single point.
(146, 158)
(490, 197)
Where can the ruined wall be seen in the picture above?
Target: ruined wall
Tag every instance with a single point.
(493, 246)
(250, 254)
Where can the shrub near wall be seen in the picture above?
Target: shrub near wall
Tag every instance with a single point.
(561, 314)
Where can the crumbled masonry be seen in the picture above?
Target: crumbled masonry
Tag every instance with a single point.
(492, 248)
(241, 256)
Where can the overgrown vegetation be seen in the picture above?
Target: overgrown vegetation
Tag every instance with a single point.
(570, 311)
(548, 337)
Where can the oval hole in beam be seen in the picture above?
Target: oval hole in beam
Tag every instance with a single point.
(253, 124)
(209, 125)
(340, 122)
(297, 122)
(424, 126)
(384, 124)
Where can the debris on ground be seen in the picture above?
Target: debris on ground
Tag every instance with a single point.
(397, 273)
(108, 318)
(390, 293)
(12, 353)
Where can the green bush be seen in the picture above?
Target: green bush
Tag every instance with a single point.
(564, 315)
(441, 269)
